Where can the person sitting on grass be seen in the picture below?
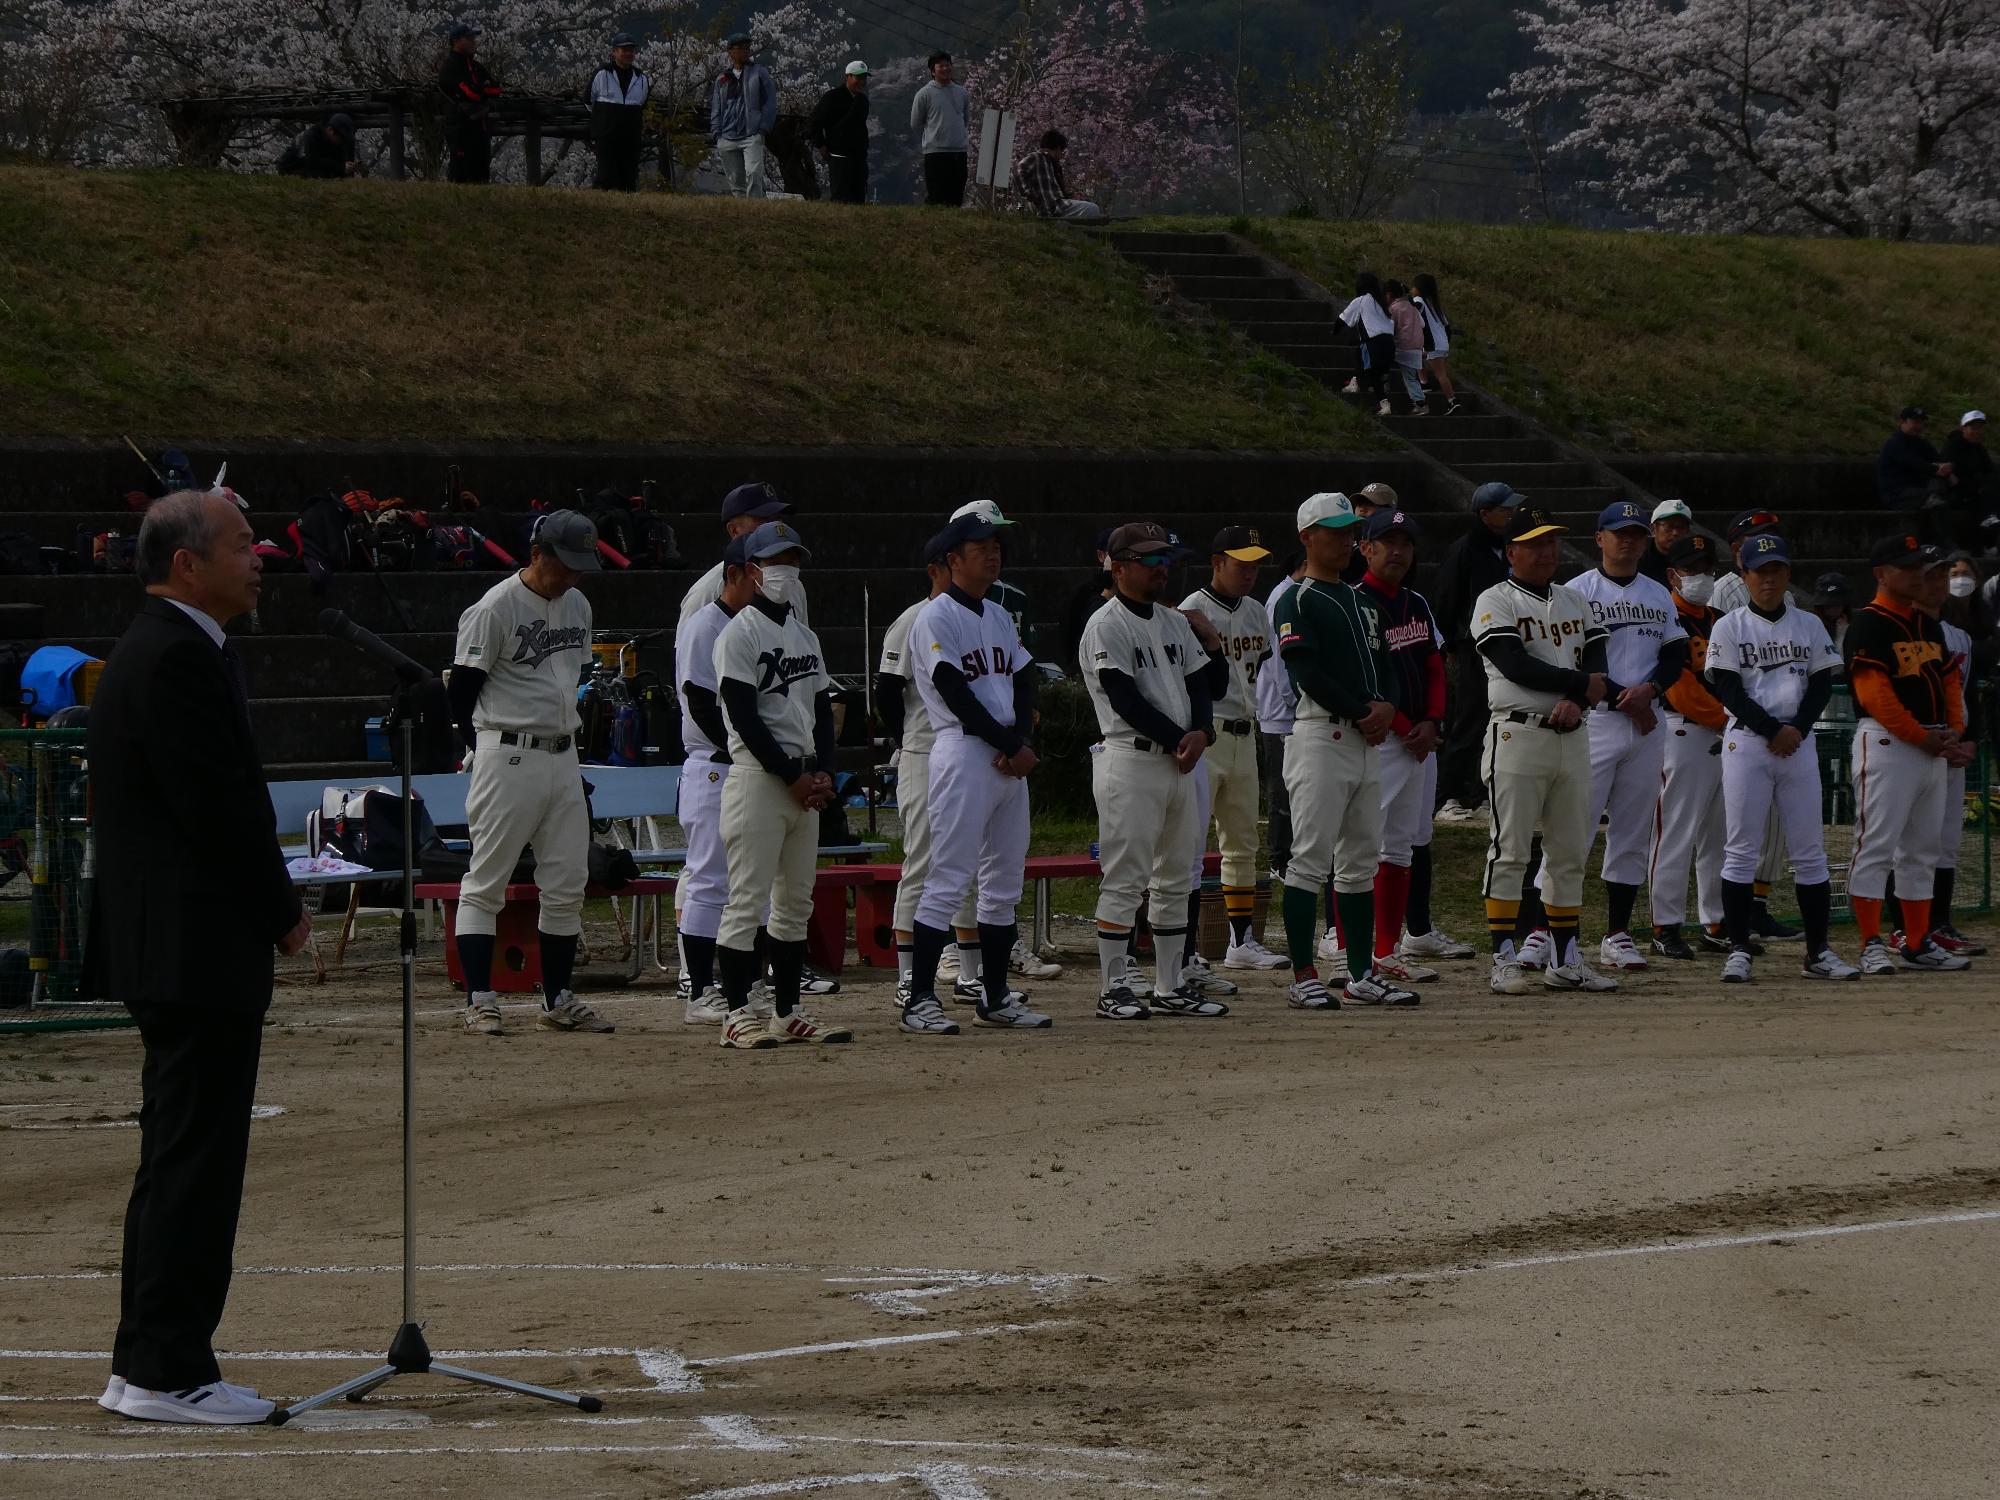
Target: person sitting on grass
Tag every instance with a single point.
(1040, 176)
(323, 151)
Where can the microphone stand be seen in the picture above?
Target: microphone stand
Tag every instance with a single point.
(408, 1353)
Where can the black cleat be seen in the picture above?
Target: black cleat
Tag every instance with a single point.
(1766, 926)
(1669, 943)
(1715, 942)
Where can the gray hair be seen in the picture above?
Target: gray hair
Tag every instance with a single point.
(176, 521)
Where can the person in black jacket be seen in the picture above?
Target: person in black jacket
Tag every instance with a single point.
(1471, 565)
(1908, 468)
(322, 151)
(190, 900)
(469, 92)
(838, 130)
(618, 94)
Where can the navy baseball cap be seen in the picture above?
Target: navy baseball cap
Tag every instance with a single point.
(1750, 522)
(1763, 548)
(623, 39)
(462, 30)
(936, 546)
(969, 528)
(1496, 493)
(1381, 522)
(341, 125)
(772, 538)
(753, 499)
(1831, 590)
(1692, 551)
(1905, 550)
(1622, 515)
(737, 554)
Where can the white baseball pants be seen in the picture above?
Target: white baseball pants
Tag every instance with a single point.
(772, 846)
(979, 825)
(1754, 781)
(1147, 835)
(1536, 777)
(1226, 790)
(1335, 787)
(1625, 768)
(1898, 793)
(913, 806)
(704, 882)
(1409, 787)
(520, 797)
(1951, 825)
(1688, 825)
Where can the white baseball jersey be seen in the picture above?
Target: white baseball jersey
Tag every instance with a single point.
(1773, 657)
(1730, 592)
(1554, 630)
(694, 661)
(1640, 615)
(977, 636)
(1246, 644)
(1277, 701)
(1958, 648)
(1157, 651)
(533, 652)
(708, 588)
(782, 662)
(917, 731)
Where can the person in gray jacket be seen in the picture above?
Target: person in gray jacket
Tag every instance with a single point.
(742, 108)
(938, 116)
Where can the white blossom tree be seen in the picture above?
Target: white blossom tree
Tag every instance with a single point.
(1865, 118)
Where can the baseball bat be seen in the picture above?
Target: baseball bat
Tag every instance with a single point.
(139, 453)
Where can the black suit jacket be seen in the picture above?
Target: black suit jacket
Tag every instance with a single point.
(191, 890)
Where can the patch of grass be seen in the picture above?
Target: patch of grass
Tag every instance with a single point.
(216, 306)
(1659, 342)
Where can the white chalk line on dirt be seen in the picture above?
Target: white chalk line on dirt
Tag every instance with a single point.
(1671, 1247)
(257, 1112)
(843, 1275)
(944, 1482)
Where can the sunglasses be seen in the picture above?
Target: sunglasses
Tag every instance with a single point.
(1153, 560)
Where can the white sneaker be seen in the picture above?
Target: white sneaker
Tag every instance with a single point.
(1402, 971)
(1120, 1004)
(1188, 1000)
(1538, 952)
(1507, 978)
(1013, 1013)
(1828, 965)
(1198, 975)
(710, 1010)
(762, 1004)
(746, 1030)
(800, 1027)
(1433, 944)
(1133, 978)
(1030, 964)
(212, 1405)
(571, 1014)
(1352, 388)
(902, 991)
(1251, 954)
(1736, 968)
(1877, 959)
(1618, 951)
(1935, 959)
(1453, 811)
(973, 992)
(927, 1017)
(1577, 976)
(482, 1014)
(1372, 989)
(1311, 994)
(812, 982)
(1329, 949)
(948, 962)
(115, 1388)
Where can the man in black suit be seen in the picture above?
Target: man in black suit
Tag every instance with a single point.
(191, 898)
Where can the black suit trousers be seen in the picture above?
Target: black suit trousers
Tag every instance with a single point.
(847, 179)
(1465, 731)
(180, 1225)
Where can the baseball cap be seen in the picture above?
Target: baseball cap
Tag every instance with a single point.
(1750, 521)
(1913, 411)
(1103, 542)
(753, 499)
(1972, 416)
(1905, 550)
(985, 510)
(1831, 588)
(736, 553)
(936, 546)
(1240, 542)
(772, 538)
(343, 126)
(1692, 551)
(1496, 493)
(462, 29)
(1762, 548)
(1531, 524)
(1622, 515)
(738, 38)
(1138, 539)
(623, 39)
(857, 68)
(1667, 509)
(1328, 508)
(1377, 494)
(572, 538)
(1386, 520)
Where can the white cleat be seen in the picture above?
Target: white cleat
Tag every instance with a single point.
(1330, 951)
(1198, 975)
(1402, 971)
(1577, 975)
(1828, 965)
(1736, 968)
(568, 1013)
(927, 1018)
(1311, 994)
(1133, 978)
(1372, 989)
(482, 1014)
(1030, 964)
(973, 992)
(1508, 977)
(1877, 959)
(1013, 1014)
(1618, 951)
(1934, 959)
(1252, 954)
(1538, 952)
(710, 1010)
(1433, 944)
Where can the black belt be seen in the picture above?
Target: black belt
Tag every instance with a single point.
(1146, 744)
(554, 746)
(1540, 721)
(1237, 726)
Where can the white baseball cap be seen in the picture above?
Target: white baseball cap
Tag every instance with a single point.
(1328, 508)
(1668, 508)
(1970, 417)
(858, 67)
(984, 510)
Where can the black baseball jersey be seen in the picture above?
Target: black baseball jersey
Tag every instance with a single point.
(1906, 646)
(1411, 635)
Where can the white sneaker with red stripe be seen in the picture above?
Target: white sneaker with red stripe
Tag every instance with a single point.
(800, 1027)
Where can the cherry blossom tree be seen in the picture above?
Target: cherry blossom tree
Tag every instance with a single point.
(1865, 118)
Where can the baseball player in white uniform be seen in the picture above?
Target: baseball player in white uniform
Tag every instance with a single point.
(1687, 823)
(1226, 777)
(521, 651)
(744, 509)
(978, 687)
(1544, 669)
(1645, 653)
(1951, 824)
(1276, 701)
(1771, 665)
(777, 701)
(1151, 683)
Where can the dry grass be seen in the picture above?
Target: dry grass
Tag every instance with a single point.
(1657, 342)
(206, 305)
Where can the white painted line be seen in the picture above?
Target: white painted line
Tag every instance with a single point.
(1671, 1247)
(257, 1112)
(839, 1275)
(166, 1455)
(950, 1482)
(668, 1371)
(876, 1343)
(741, 1432)
(324, 1356)
(934, 1476)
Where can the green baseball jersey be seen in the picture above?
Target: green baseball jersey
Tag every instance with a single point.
(1330, 639)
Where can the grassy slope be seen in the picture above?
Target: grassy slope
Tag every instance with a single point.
(1674, 342)
(215, 306)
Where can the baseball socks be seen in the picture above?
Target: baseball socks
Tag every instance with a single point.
(1239, 904)
(1357, 920)
(788, 963)
(1502, 920)
(972, 958)
(739, 972)
(996, 946)
(558, 963)
(475, 957)
(698, 962)
(1169, 956)
(1302, 929)
(1417, 908)
(1620, 901)
(1193, 926)
(1392, 899)
(1563, 922)
(1816, 912)
(1739, 907)
(927, 945)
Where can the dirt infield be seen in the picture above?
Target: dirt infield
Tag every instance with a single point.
(1678, 1242)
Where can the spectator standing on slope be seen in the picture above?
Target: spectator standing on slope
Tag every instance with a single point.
(742, 108)
(838, 130)
(938, 115)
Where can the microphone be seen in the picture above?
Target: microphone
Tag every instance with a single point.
(335, 623)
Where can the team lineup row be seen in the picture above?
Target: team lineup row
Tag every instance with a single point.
(1693, 726)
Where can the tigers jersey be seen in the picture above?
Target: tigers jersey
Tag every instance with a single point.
(533, 652)
(1554, 628)
(1689, 696)
(694, 662)
(1774, 657)
(1246, 644)
(1157, 650)
(1639, 615)
(1906, 646)
(917, 731)
(781, 660)
(977, 636)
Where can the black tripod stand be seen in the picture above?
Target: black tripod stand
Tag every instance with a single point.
(408, 1353)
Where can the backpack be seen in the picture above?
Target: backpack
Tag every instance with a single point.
(331, 538)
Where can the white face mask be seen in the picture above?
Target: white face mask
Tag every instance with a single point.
(1962, 585)
(778, 583)
(1696, 588)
